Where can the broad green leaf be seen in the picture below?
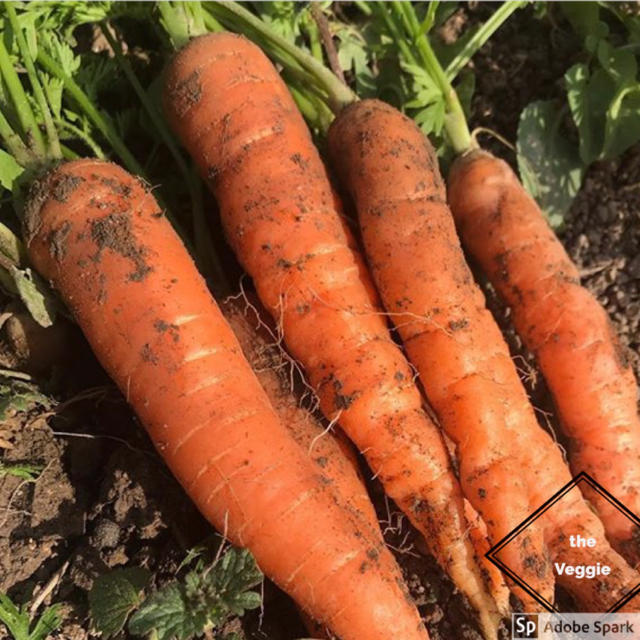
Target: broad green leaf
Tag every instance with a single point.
(629, 19)
(168, 614)
(114, 596)
(620, 63)
(622, 128)
(35, 296)
(585, 19)
(589, 97)
(205, 599)
(9, 170)
(550, 166)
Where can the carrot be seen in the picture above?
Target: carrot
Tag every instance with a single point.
(327, 448)
(479, 536)
(98, 235)
(237, 119)
(593, 386)
(508, 465)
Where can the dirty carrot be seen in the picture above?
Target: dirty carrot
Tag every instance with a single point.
(99, 236)
(327, 447)
(509, 466)
(560, 321)
(237, 119)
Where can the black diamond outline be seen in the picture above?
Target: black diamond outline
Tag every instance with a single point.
(582, 476)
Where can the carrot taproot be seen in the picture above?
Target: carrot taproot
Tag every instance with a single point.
(563, 324)
(479, 536)
(98, 235)
(327, 448)
(235, 116)
(509, 466)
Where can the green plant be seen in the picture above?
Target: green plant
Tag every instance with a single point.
(18, 395)
(602, 99)
(28, 472)
(202, 599)
(20, 624)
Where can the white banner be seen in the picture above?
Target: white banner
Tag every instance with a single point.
(575, 626)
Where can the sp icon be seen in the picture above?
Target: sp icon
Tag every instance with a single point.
(524, 626)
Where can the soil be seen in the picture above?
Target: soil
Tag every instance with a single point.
(104, 499)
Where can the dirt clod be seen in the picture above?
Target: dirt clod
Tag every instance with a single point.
(114, 232)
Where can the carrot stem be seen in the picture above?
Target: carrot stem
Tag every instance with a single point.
(14, 143)
(102, 122)
(339, 94)
(81, 135)
(53, 143)
(207, 258)
(26, 117)
(481, 36)
(183, 21)
(455, 121)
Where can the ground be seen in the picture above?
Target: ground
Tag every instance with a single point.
(104, 499)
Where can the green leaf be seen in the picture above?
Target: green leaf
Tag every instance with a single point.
(585, 19)
(15, 620)
(35, 296)
(550, 166)
(18, 622)
(49, 621)
(431, 119)
(114, 596)
(10, 245)
(206, 598)
(354, 55)
(168, 614)
(9, 170)
(622, 128)
(620, 64)
(576, 80)
(18, 396)
(29, 472)
(284, 17)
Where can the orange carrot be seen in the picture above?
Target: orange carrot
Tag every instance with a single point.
(592, 383)
(508, 465)
(479, 536)
(236, 117)
(98, 235)
(328, 448)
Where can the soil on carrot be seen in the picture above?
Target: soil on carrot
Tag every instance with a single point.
(104, 499)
